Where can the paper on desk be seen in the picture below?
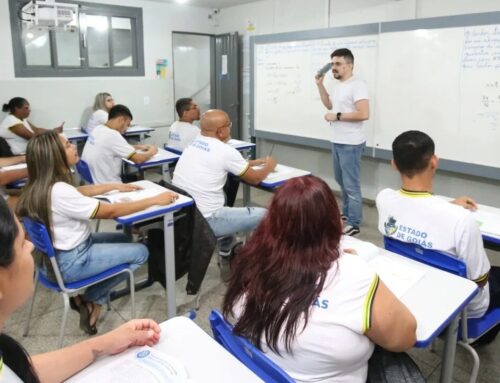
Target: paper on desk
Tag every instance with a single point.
(149, 189)
(398, 277)
(489, 223)
(145, 365)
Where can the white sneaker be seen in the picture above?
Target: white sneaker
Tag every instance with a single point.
(351, 230)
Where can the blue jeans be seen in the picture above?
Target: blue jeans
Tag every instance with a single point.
(346, 168)
(227, 221)
(100, 252)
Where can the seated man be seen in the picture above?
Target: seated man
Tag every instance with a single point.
(183, 132)
(105, 147)
(7, 176)
(202, 171)
(413, 214)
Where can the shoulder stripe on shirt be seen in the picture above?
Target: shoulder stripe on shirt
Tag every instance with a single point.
(131, 155)
(367, 306)
(244, 170)
(482, 278)
(95, 210)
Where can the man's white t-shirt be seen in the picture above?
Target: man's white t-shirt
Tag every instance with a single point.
(333, 348)
(103, 152)
(17, 144)
(433, 223)
(202, 171)
(71, 213)
(99, 117)
(343, 97)
(182, 134)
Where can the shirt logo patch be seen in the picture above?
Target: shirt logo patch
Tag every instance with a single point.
(390, 226)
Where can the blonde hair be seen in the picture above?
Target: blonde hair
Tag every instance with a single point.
(47, 164)
(100, 101)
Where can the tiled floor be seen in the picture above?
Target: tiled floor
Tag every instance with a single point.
(150, 302)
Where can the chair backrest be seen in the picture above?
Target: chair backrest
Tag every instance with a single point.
(5, 150)
(246, 352)
(432, 258)
(39, 236)
(83, 169)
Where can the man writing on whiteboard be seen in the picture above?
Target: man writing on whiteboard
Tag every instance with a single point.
(349, 107)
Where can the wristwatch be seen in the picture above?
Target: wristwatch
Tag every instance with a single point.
(339, 114)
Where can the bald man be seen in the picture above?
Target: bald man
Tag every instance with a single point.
(202, 172)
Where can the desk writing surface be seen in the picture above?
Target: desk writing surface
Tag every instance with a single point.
(138, 129)
(14, 167)
(240, 145)
(281, 174)
(163, 156)
(154, 211)
(433, 296)
(203, 359)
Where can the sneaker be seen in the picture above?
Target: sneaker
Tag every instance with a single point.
(343, 217)
(351, 230)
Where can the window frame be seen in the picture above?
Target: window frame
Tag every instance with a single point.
(21, 69)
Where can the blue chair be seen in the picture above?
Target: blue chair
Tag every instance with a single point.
(246, 352)
(40, 237)
(83, 169)
(470, 328)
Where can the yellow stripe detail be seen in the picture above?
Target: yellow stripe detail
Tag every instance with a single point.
(92, 216)
(414, 194)
(482, 278)
(131, 155)
(367, 306)
(244, 171)
(1, 365)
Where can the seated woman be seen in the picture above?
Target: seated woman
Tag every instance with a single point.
(51, 198)
(314, 309)
(15, 128)
(16, 286)
(8, 176)
(102, 105)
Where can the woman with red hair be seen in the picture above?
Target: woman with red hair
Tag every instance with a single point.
(314, 309)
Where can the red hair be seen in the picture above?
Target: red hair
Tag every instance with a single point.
(282, 268)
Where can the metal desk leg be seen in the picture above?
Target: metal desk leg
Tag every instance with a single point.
(165, 170)
(168, 232)
(450, 346)
(246, 194)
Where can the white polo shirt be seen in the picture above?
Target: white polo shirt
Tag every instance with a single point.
(181, 134)
(103, 152)
(17, 144)
(202, 171)
(433, 223)
(99, 117)
(71, 213)
(343, 96)
(333, 348)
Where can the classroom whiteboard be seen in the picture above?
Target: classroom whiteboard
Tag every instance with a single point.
(286, 97)
(445, 82)
(439, 75)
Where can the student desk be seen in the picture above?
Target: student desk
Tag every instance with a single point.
(138, 131)
(276, 178)
(75, 135)
(18, 184)
(489, 224)
(167, 212)
(241, 146)
(202, 357)
(163, 158)
(435, 297)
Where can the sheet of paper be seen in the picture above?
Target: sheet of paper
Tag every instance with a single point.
(398, 277)
(489, 223)
(144, 365)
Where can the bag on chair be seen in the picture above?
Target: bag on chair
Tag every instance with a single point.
(393, 367)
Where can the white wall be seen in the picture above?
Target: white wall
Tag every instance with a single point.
(275, 16)
(64, 99)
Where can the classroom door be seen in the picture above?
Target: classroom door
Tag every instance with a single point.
(193, 67)
(227, 78)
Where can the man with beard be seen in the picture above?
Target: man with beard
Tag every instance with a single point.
(349, 107)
